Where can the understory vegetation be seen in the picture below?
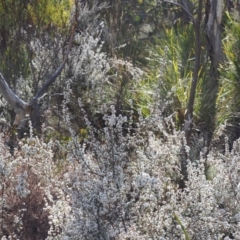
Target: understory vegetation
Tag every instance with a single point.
(116, 152)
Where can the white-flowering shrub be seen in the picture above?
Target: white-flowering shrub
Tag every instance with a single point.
(133, 177)
(123, 183)
(26, 178)
(120, 183)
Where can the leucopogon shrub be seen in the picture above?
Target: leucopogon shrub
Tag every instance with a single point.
(119, 184)
(130, 179)
(24, 181)
(126, 184)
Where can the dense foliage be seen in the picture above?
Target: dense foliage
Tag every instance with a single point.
(114, 155)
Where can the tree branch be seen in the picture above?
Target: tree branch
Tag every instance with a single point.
(184, 8)
(58, 71)
(13, 100)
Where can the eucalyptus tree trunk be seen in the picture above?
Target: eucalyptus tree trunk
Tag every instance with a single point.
(214, 11)
(212, 26)
(213, 21)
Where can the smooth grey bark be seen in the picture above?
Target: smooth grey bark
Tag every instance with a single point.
(214, 11)
(213, 20)
(213, 31)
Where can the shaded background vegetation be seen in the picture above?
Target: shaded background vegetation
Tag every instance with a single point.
(159, 37)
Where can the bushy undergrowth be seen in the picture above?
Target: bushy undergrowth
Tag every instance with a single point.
(120, 184)
(130, 177)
